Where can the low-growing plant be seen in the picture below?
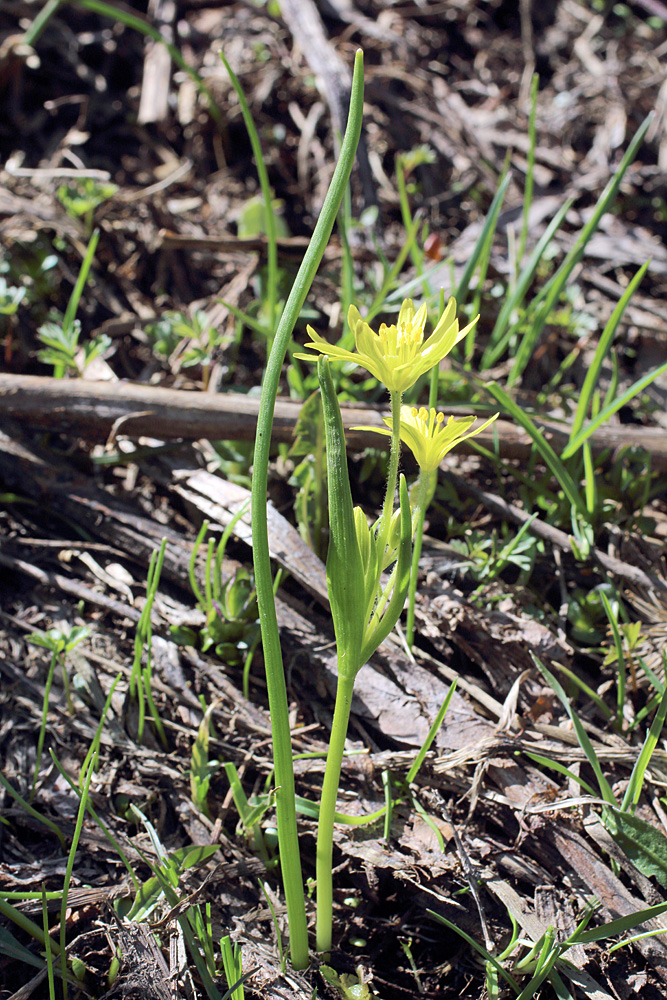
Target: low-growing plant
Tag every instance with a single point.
(11, 297)
(80, 198)
(60, 335)
(202, 767)
(141, 675)
(60, 642)
(164, 887)
(365, 605)
(173, 328)
(544, 959)
(642, 842)
(232, 961)
(489, 557)
(229, 605)
(276, 686)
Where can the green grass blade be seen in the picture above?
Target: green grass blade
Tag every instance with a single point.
(622, 925)
(269, 217)
(620, 401)
(246, 318)
(81, 280)
(488, 229)
(634, 789)
(312, 809)
(550, 457)
(501, 333)
(47, 946)
(26, 924)
(582, 736)
(555, 765)
(380, 299)
(102, 825)
(432, 733)
(480, 949)
(68, 870)
(593, 373)
(35, 30)
(11, 948)
(557, 283)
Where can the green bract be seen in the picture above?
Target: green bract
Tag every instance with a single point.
(363, 611)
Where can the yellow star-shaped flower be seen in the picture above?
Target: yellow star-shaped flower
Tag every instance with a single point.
(397, 355)
(427, 435)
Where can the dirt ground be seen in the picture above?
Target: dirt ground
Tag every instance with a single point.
(89, 491)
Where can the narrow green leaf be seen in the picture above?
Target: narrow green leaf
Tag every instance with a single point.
(557, 283)
(602, 417)
(550, 457)
(622, 925)
(582, 736)
(601, 351)
(644, 844)
(633, 791)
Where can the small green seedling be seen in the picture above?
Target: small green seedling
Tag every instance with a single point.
(141, 675)
(230, 605)
(204, 341)
(164, 886)
(232, 961)
(82, 197)
(10, 297)
(60, 641)
(201, 767)
(60, 335)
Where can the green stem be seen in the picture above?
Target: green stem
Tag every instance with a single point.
(275, 677)
(269, 217)
(392, 473)
(416, 251)
(421, 513)
(138, 23)
(325, 826)
(422, 503)
(37, 27)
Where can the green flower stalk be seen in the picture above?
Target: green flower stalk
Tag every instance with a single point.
(364, 611)
(429, 438)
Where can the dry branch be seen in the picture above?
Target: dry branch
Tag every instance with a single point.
(92, 410)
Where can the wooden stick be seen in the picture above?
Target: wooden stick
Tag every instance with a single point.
(92, 410)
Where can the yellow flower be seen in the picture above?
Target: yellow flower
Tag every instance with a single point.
(427, 435)
(397, 355)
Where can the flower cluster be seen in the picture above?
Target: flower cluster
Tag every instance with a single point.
(428, 436)
(397, 355)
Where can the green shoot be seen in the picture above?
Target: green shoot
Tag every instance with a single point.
(47, 942)
(70, 865)
(267, 196)
(61, 338)
(141, 676)
(60, 641)
(285, 804)
(233, 965)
